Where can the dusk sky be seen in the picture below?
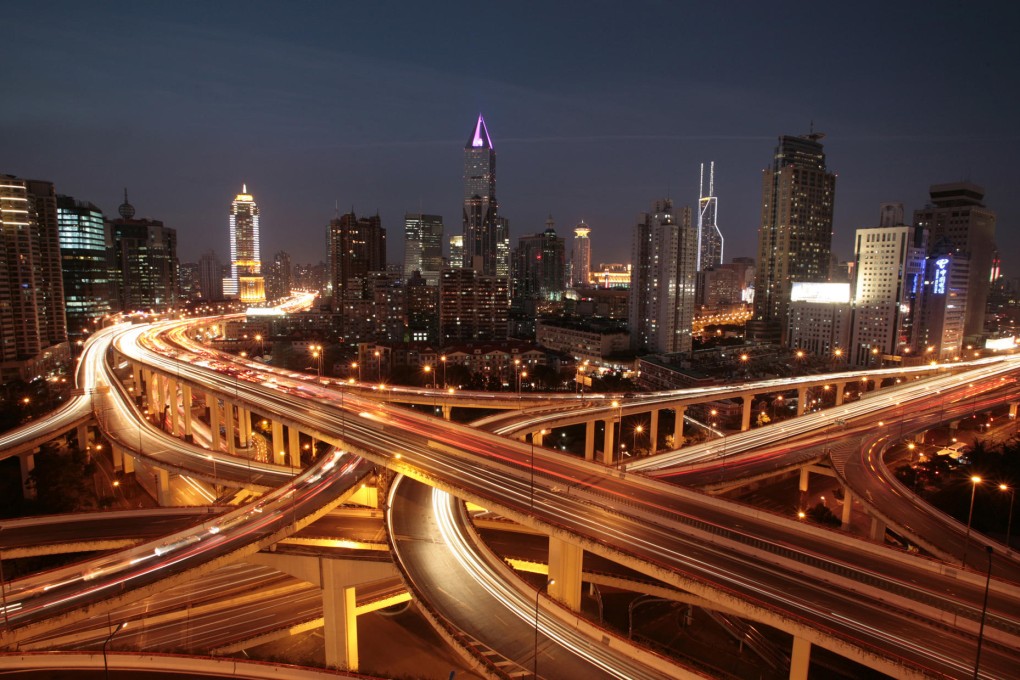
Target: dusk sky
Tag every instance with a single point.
(595, 109)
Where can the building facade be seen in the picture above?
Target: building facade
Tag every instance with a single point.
(664, 253)
(795, 237)
(357, 246)
(820, 319)
(210, 277)
(483, 231)
(940, 334)
(889, 264)
(538, 271)
(580, 256)
(423, 246)
(710, 239)
(472, 307)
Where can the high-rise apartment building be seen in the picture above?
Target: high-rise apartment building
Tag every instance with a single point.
(889, 266)
(456, 260)
(710, 239)
(245, 281)
(279, 276)
(820, 317)
(32, 321)
(357, 246)
(664, 253)
(145, 262)
(89, 285)
(483, 231)
(423, 246)
(580, 256)
(472, 307)
(210, 277)
(795, 237)
(957, 213)
(422, 309)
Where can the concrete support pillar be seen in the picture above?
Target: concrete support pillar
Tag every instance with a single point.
(244, 426)
(565, 561)
(136, 373)
(447, 411)
(848, 505)
(608, 456)
(164, 397)
(127, 464)
(340, 621)
(537, 437)
(678, 426)
(228, 418)
(804, 473)
(589, 440)
(745, 416)
(278, 450)
(801, 399)
(294, 442)
(83, 436)
(216, 443)
(800, 659)
(175, 406)
(653, 431)
(27, 460)
(117, 454)
(877, 530)
(1012, 410)
(186, 401)
(840, 387)
(162, 479)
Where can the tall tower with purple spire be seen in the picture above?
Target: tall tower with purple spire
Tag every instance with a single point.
(481, 209)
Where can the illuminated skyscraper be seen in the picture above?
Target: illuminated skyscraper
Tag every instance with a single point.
(710, 239)
(485, 238)
(795, 237)
(357, 246)
(145, 261)
(89, 287)
(580, 257)
(245, 281)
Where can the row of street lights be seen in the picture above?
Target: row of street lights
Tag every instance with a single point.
(975, 482)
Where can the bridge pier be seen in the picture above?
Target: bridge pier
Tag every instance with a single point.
(228, 417)
(537, 438)
(589, 440)
(189, 433)
(800, 659)
(840, 388)
(294, 442)
(877, 530)
(565, 562)
(27, 461)
(127, 463)
(175, 405)
(276, 427)
(447, 411)
(653, 431)
(608, 444)
(848, 505)
(82, 434)
(1013, 410)
(745, 416)
(162, 479)
(216, 444)
(801, 399)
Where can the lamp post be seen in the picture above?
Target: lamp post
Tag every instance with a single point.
(355, 364)
(428, 374)
(984, 612)
(442, 361)
(317, 355)
(1009, 519)
(3, 588)
(517, 373)
(975, 480)
(538, 594)
(106, 666)
(378, 365)
(637, 430)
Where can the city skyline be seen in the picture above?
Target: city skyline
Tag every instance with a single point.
(571, 142)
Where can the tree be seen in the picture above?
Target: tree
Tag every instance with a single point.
(763, 418)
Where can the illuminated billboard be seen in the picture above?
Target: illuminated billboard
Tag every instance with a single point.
(804, 291)
(1000, 343)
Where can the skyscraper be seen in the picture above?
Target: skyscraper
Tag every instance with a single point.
(939, 334)
(538, 266)
(957, 213)
(795, 237)
(89, 287)
(710, 239)
(456, 260)
(145, 261)
(245, 281)
(664, 253)
(357, 246)
(423, 246)
(278, 278)
(889, 264)
(472, 307)
(482, 235)
(580, 256)
(31, 295)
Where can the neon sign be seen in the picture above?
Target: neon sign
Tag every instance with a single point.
(939, 285)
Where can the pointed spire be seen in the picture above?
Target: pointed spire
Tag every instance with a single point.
(126, 210)
(480, 139)
(244, 188)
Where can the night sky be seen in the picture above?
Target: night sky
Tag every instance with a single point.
(595, 108)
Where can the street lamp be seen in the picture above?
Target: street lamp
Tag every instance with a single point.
(317, 355)
(442, 360)
(538, 594)
(355, 364)
(106, 666)
(428, 374)
(517, 372)
(1009, 520)
(975, 480)
(378, 365)
(637, 430)
(984, 612)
